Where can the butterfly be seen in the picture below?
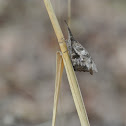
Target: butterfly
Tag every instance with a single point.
(80, 57)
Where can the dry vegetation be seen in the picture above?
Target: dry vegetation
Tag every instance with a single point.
(27, 62)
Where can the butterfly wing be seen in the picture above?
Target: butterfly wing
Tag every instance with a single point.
(85, 58)
(80, 57)
(80, 50)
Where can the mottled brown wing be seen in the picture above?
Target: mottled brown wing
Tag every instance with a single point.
(79, 49)
(85, 63)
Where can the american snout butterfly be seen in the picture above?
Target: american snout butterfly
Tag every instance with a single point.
(80, 57)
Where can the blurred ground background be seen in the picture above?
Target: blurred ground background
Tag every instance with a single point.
(27, 62)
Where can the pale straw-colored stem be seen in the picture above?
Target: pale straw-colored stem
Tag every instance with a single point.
(69, 12)
(59, 71)
(68, 66)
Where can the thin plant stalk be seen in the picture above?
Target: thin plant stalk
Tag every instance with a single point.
(74, 86)
(59, 68)
(69, 12)
(59, 71)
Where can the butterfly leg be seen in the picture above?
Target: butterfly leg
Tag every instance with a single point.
(63, 41)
